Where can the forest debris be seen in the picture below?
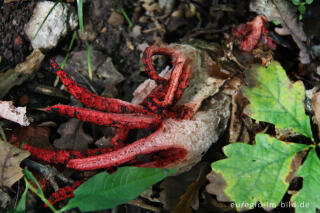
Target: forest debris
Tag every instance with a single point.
(12, 113)
(21, 72)
(5, 199)
(47, 90)
(115, 19)
(10, 158)
(150, 5)
(10, 1)
(73, 136)
(105, 73)
(187, 198)
(284, 12)
(33, 135)
(140, 203)
(186, 186)
(89, 33)
(217, 186)
(316, 107)
(237, 129)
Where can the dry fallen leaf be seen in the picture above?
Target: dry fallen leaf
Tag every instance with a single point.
(187, 198)
(32, 135)
(178, 190)
(217, 186)
(316, 107)
(12, 113)
(237, 129)
(10, 158)
(21, 72)
(73, 136)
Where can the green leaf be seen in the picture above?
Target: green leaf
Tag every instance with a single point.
(309, 1)
(104, 191)
(295, 2)
(276, 22)
(274, 99)
(302, 8)
(257, 172)
(308, 198)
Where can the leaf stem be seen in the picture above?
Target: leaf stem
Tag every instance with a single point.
(40, 195)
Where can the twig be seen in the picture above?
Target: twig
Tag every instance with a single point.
(48, 172)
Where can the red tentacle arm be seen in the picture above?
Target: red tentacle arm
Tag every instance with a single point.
(179, 74)
(144, 146)
(166, 147)
(130, 121)
(119, 138)
(63, 193)
(94, 101)
(63, 156)
(252, 32)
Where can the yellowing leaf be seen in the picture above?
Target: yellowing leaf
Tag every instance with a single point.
(308, 198)
(257, 173)
(274, 99)
(10, 158)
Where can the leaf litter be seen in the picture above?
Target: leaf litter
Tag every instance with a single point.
(242, 128)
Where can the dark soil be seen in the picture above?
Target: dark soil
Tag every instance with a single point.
(14, 46)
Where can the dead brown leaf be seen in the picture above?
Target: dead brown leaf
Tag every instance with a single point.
(73, 136)
(316, 108)
(186, 187)
(295, 165)
(10, 159)
(237, 129)
(32, 135)
(217, 186)
(187, 198)
(21, 72)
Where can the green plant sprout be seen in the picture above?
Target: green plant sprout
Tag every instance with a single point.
(89, 60)
(301, 4)
(80, 14)
(123, 12)
(262, 172)
(21, 207)
(67, 56)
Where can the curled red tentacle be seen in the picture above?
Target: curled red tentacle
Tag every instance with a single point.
(178, 75)
(251, 32)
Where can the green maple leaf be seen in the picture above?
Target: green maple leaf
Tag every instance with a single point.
(258, 172)
(274, 99)
(308, 198)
